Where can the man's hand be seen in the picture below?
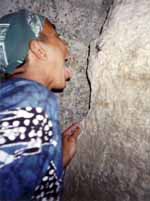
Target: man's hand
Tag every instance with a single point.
(70, 136)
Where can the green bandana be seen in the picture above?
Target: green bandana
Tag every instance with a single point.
(16, 31)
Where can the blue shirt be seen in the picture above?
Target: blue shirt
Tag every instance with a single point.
(30, 142)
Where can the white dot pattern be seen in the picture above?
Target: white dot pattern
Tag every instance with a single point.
(16, 123)
(5, 124)
(49, 187)
(32, 125)
(27, 122)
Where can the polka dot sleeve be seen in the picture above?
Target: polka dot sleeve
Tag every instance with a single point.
(30, 143)
(26, 134)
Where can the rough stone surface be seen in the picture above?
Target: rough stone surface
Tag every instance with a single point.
(79, 22)
(113, 159)
(113, 162)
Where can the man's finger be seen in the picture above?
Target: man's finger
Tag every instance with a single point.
(69, 131)
(75, 135)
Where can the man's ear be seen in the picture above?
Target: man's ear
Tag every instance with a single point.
(37, 49)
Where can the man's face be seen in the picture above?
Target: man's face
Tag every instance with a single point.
(57, 50)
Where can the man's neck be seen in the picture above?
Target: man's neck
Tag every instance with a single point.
(26, 72)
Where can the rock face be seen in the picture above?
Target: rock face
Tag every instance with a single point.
(113, 162)
(110, 93)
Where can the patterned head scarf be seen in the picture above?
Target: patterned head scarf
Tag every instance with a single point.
(16, 31)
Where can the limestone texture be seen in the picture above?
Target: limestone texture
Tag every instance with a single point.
(109, 93)
(113, 162)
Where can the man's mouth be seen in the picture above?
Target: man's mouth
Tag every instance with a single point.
(68, 74)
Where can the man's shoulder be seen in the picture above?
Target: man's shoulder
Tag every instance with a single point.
(22, 92)
(23, 86)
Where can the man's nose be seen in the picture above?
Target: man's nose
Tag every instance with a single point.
(67, 53)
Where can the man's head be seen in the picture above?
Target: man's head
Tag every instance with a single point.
(51, 52)
(35, 46)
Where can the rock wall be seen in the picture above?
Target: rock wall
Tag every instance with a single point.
(113, 162)
(109, 94)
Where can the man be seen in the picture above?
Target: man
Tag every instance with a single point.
(32, 155)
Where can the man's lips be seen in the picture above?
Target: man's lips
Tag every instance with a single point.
(68, 74)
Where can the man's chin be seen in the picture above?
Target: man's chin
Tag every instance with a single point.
(59, 88)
